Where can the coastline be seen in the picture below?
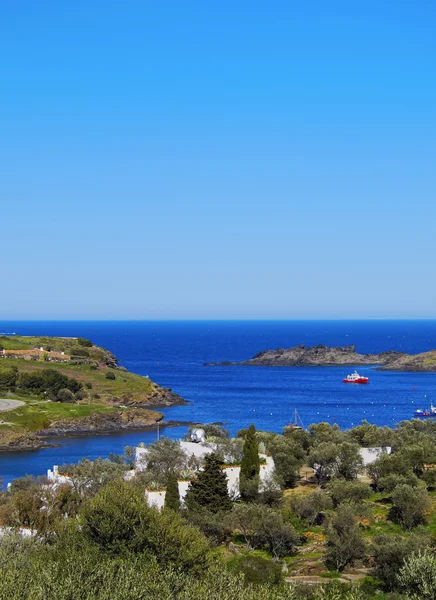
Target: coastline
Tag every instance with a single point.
(43, 444)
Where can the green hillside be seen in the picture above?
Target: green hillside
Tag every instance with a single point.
(69, 390)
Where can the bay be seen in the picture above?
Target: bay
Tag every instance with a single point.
(172, 353)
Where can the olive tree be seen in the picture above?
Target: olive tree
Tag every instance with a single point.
(345, 543)
(417, 578)
(409, 505)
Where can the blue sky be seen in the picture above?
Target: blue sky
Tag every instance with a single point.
(218, 160)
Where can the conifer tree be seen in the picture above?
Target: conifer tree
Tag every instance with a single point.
(250, 466)
(209, 489)
(172, 498)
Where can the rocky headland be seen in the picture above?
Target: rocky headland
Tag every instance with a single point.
(326, 356)
(69, 386)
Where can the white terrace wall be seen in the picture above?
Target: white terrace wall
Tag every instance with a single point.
(155, 498)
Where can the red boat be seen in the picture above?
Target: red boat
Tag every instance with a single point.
(356, 378)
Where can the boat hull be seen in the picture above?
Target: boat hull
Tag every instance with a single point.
(360, 381)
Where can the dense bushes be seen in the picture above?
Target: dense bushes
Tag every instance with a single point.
(84, 342)
(409, 505)
(8, 378)
(119, 521)
(345, 543)
(64, 395)
(81, 352)
(417, 577)
(110, 375)
(47, 380)
(390, 552)
(264, 528)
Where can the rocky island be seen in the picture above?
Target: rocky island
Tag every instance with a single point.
(58, 386)
(319, 356)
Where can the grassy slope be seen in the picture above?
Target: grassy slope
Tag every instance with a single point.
(57, 344)
(125, 384)
(38, 414)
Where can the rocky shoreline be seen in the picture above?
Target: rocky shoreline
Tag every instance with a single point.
(118, 402)
(326, 356)
(103, 422)
(39, 440)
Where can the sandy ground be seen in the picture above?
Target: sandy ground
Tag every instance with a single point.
(10, 404)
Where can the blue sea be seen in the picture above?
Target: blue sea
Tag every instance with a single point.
(172, 353)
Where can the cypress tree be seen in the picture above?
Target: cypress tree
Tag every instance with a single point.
(250, 466)
(172, 498)
(209, 489)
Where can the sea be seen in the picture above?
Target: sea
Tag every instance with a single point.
(173, 353)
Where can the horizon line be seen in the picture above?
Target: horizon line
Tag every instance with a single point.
(216, 320)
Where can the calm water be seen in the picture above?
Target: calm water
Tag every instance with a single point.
(173, 353)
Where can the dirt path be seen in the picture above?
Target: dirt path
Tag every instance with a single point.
(10, 404)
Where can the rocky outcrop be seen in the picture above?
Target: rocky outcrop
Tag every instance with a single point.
(103, 422)
(425, 362)
(316, 356)
(22, 443)
(110, 360)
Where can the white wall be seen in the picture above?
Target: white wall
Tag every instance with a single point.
(157, 498)
(370, 455)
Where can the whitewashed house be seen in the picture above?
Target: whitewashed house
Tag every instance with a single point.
(200, 450)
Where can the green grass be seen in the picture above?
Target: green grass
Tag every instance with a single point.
(11, 343)
(56, 344)
(18, 342)
(38, 415)
(331, 575)
(125, 384)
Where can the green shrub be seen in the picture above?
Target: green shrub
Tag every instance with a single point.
(79, 352)
(84, 342)
(417, 578)
(119, 521)
(110, 375)
(258, 569)
(88, 385)
(8, 378)
(390, 552)
(48, 380)
(345, 543)
(65, 395)
(409, 505)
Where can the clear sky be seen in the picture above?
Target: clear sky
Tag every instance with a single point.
(233, 159)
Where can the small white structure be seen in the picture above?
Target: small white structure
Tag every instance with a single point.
(54, 477)
(370, 455)
(198, 435)
(155, 498)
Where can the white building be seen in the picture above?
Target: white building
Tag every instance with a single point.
(157, 497)
(370, 455)
(55, 478)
